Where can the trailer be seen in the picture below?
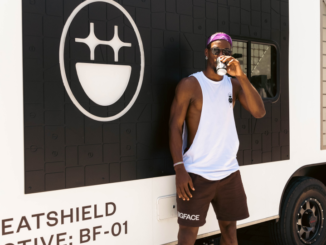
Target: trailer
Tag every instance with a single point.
(85, 93)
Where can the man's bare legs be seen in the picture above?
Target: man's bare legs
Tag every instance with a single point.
(187, 235)
(228, 232)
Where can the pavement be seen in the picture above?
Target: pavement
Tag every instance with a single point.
(251, 235)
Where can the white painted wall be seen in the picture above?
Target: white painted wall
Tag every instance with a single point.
(136, 200)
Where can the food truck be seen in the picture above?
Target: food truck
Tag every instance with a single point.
(85, 94)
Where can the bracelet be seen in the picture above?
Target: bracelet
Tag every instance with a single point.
(177, 164)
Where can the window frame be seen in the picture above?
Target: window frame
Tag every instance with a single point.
(277, 65)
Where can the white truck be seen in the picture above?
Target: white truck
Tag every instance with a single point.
(85, 157)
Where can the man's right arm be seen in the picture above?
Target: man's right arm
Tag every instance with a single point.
(180, 104)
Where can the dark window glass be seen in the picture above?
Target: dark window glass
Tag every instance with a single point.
(262, 60)
(240, 51)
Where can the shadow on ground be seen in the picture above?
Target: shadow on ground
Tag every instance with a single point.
(252, 235)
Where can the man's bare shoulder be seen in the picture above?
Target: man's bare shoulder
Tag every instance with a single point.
(236, 85)
(235, 82)
(187, 84)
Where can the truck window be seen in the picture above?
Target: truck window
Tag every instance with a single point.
(262, 72)
(240, 51)
(263, 69)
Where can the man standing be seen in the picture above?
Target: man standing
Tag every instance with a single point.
(204, 143)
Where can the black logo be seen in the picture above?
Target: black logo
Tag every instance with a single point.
(230, 98)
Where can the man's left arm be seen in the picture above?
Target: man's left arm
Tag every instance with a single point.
(249, 98)
(246, 93)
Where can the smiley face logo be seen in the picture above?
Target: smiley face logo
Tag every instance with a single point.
(103, 83)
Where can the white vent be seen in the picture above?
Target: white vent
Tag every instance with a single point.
(166, 207)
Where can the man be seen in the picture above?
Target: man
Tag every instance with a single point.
(204, 143)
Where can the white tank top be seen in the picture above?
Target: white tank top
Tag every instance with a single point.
(213, 152)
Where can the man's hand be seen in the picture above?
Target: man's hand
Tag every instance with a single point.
(245, 92)
(233, 66)
(183, 181)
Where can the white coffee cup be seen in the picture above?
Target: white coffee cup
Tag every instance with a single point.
(220, 67)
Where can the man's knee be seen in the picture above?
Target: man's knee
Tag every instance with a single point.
(228, 226)
(187, 235)
(229, 231)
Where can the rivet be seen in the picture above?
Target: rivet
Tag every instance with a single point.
(54, 136)
(90, 154)
(199, 27)
(266, 21)
(243, 126)
(54, 153)
(223, 22)
(128, 131)
(32, 2)
(128, 147)
(33, 148)
(32, 114)
(257, 141)
(31, 48)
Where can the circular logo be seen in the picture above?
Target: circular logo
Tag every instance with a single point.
(116, 42)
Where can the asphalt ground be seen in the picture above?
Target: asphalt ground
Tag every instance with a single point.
(251, 235)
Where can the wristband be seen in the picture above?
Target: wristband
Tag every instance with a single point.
(177, 164)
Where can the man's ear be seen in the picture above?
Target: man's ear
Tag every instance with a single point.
(206, 52)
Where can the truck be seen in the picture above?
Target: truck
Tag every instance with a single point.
(85, 94)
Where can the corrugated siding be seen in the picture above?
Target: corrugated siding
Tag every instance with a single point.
(323, 75)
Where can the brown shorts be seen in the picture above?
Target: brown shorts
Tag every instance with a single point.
(227, 196)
